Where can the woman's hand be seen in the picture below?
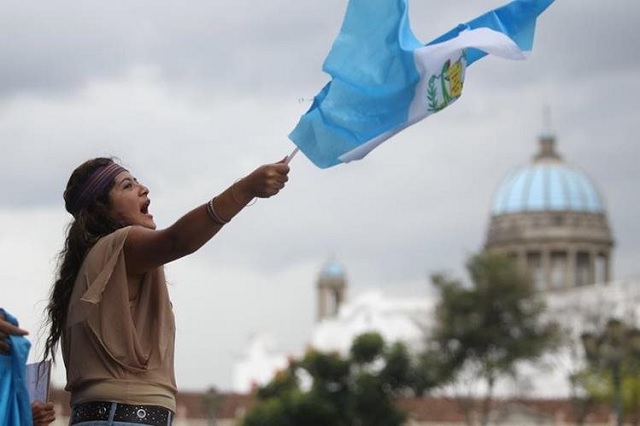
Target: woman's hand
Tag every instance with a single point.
(42, 413)
(7, 329)
(263, 182)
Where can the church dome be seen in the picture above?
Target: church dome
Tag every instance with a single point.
(547, 184)
(332, 269)
(550, 217)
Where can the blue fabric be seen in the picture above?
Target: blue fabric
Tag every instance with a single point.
(516, 19)
(15, 407)
(374, 75)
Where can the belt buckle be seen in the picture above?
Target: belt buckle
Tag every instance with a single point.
(103, 410)
(141, 413)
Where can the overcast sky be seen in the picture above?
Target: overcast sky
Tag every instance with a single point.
(193, 95)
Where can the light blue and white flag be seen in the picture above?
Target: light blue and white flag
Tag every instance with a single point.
(384, 79)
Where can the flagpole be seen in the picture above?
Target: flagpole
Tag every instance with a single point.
(293, 154)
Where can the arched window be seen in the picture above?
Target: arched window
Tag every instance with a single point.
(583, 269)
(558, 269)
(600, 268)
(534, 264)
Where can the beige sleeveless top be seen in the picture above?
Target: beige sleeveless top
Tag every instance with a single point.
(117, 349)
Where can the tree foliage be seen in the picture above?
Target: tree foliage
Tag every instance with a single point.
(489, 326)
(329, 389)
(211, 403)
(613, 367)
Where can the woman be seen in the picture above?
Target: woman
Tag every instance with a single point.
(109, 306)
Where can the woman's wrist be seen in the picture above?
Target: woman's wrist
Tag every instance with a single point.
(241, 192)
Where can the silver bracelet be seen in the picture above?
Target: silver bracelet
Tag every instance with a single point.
(214, 215)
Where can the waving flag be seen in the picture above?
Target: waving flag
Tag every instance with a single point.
(384, 79)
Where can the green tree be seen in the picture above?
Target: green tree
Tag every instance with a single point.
(486, 329)
(211, 402)
(582, 400)
(328, 389)
(613, 366)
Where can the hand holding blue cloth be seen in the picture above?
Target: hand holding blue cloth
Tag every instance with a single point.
(15, 407)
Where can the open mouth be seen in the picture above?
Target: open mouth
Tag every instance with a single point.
(145, 207)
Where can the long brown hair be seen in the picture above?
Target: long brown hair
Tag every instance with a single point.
(89, 224)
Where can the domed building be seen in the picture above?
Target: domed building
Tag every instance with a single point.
(552, 219)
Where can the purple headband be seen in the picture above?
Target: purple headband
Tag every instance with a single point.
(97, 182)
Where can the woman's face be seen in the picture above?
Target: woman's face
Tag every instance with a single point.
(130, 202)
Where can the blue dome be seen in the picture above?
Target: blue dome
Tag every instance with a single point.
(332, 269)
(548, 184)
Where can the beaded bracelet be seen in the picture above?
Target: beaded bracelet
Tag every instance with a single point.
(213, 215)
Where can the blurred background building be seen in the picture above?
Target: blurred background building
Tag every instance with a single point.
(548, 214)
(551, 217)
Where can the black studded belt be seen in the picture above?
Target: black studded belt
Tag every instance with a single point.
(114, 411)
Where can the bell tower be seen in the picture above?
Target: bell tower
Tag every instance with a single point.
(331, 289)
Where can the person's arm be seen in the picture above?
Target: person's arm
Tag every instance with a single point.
(7, 329)
(43, 413)
(146, 249)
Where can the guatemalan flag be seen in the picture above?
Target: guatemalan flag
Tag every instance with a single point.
(384, 79)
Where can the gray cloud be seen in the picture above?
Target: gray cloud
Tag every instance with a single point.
(254, 47)
(56, 48)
